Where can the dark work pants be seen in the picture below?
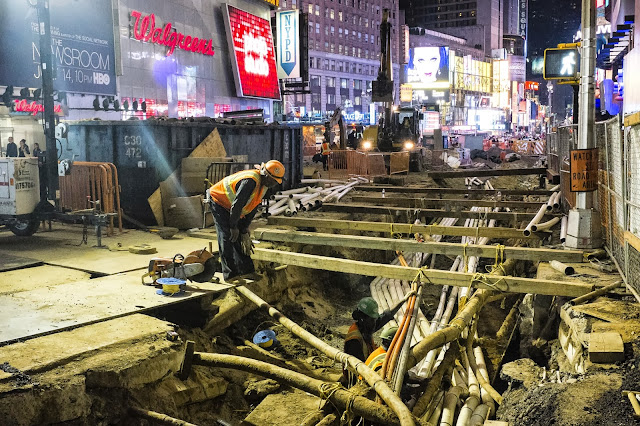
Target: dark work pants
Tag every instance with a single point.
(234, 261)
(325, 162)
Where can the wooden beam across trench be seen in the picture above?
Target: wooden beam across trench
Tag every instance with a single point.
(432, 276)
(512, 217)
(439, 202)
(451, 249)
(451, 191)
(402, 228)
(487, 172)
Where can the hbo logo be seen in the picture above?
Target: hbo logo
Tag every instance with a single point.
(101, 78)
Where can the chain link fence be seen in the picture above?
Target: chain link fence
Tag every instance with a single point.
(619, 194)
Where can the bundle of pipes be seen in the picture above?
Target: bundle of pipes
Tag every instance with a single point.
(306, 198)
(535, 225)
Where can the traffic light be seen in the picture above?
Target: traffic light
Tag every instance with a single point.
(125, 104)
(144, 106)
(105, 104)
(7, 97)
(96, 104)
(116, 105)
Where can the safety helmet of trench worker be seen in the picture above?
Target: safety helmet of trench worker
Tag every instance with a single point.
(273, 168)
(369, 307)
(388, 333)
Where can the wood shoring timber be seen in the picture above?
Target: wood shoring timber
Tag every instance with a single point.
(450, 249)
(400, 228)
(513, 217)
(436, 277)
(438, 202)
(372, 378)
(459, 191)
(341, 397)
(484, 173)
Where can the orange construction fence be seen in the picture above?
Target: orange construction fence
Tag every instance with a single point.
(346, 163)
(92, 185)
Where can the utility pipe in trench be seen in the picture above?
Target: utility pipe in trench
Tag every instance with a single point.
(535, 220)
(341, 397)
(372, 378)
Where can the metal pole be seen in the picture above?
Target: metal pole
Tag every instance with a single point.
(586, 120)
(46, 62)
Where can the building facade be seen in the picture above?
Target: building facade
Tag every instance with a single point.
(169, 59)
(344, 56)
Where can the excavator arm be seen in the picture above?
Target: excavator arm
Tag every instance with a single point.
(336, 119)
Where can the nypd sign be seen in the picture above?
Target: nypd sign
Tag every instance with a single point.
(288, 39)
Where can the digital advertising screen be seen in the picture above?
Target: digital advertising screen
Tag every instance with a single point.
(253, 58)
(428, 67)
(82, 45)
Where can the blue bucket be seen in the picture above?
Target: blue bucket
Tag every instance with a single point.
(265, 338)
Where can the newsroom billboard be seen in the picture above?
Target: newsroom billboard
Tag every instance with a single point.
(81, 45)
(252, 55)
(428, 68)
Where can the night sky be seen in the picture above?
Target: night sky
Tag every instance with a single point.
(550, 23)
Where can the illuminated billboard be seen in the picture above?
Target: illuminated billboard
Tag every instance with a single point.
(253, 59)
(428, 68)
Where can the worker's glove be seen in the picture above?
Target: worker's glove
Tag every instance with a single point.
(246, 243)
(235, 234)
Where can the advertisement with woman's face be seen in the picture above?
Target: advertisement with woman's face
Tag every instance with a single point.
(428, 67)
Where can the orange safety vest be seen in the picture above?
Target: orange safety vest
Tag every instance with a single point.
(224, 192)
(325, 148)
(354, 334)
(376, 359)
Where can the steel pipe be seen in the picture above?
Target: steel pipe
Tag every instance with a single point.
(535, 220)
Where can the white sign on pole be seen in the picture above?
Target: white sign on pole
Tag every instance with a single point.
(288, 39)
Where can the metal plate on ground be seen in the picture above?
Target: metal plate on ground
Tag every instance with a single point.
(42, 311)
(10, 262)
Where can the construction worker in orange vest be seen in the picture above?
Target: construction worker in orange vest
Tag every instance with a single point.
(376, 359)
(325, 151)
(233, 203)
(359, 340)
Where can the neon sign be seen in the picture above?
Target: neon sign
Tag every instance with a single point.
(23, 106)
(250, 39)
(145, 30)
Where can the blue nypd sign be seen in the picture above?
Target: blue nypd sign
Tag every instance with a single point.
(288, 42)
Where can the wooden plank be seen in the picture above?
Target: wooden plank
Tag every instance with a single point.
(432, 276)
(632, 239)
(438, 202)
(451, 249)
(490, 172)
(448, 191)
(400, 228)
(514, 217)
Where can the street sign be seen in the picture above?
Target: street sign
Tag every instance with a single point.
(561, 64)
(584, 170)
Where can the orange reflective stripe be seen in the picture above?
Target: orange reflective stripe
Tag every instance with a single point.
(376, 359)
(354, 334)
(224, 192)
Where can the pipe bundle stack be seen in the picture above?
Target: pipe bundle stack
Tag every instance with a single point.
(307, 198)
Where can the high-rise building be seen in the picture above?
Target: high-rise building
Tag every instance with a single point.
(480, 22)
(344, 52)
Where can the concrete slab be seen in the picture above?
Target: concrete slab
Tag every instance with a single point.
(37, 277)
(61, 247)
(47, 310)
(48, 352)
(283, 409)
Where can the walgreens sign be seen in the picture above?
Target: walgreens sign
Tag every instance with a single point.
(254, 62)
(144, 29)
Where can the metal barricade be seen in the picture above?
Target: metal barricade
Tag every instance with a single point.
(347, 163)
(398, 162)
(92, 185)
